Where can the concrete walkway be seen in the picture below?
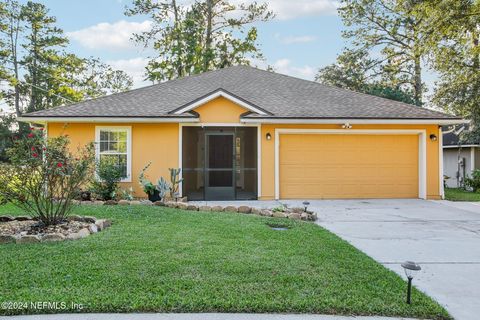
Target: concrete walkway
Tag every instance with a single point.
(188, 316)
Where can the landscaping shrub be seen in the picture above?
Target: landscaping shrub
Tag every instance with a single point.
(175, 181)
(44, 176)
(473, 182)
(108, 175)
(147, 186)
(163, 189)
(125, 194)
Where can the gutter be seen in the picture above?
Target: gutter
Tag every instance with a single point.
(43, 120)
(454, 146)
(354, 121)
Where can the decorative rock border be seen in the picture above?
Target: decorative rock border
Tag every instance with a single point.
(92, 225)
(290, 213)
(122, 202)
(12, 218)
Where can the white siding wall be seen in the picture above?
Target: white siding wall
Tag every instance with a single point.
(450, 164)
(477, 158)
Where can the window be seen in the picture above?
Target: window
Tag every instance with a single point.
(115, 143)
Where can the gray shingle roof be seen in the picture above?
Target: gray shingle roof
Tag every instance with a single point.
(280, 95)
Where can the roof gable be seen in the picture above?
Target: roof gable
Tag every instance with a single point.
(216, 94)
(220, 110)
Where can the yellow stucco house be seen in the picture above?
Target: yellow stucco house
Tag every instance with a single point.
(245, 133)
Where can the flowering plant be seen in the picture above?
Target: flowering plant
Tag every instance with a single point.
(44, 175)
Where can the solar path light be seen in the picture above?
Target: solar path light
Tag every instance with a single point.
(305, 205)
(411, 269)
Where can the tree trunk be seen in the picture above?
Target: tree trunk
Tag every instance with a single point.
(417, 60)
(418, 81)
(33, 72)
(13, 33)
(18, 112)
(208, 37)
(476, 58)
(475, 112)
(180, 67)
(15, 70)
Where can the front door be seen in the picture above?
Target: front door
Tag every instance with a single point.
(219, 166)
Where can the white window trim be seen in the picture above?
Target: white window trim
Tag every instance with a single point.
(422, 147)
(129, 146)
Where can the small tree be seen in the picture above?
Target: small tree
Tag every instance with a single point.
(108, 175)
(44, 175)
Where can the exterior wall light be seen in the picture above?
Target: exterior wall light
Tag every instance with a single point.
(433, 137)
(268, 136)
(347, 126)
(411, 269)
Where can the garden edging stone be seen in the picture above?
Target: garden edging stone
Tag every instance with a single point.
(244, 209)
(6, 218)
(295, 213)
(73, 228)
(7, 239)
(89, 219)
(230, 209)
(23, 218)
(28, 238)
(53, 237)
(93, 228)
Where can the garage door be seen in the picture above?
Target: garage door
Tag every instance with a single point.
(323, 166)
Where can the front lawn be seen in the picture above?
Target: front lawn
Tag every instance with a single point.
(156, 259)
(457, 194)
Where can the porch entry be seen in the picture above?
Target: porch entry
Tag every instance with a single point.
(219, 163)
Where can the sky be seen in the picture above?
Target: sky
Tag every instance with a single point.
(304, 36)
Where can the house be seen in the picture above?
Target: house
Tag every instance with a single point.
(245, 133)
(460, 156)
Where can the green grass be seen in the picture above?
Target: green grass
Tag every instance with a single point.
(156, 259)
(454, 194)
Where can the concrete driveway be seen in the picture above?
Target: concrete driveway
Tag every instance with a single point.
(444, 237)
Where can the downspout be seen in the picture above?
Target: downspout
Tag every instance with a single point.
(440, 163)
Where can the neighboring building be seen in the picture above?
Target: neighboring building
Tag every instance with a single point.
(245, 133)
(460, 158)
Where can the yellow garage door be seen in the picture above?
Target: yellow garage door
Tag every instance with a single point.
(322, 166)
